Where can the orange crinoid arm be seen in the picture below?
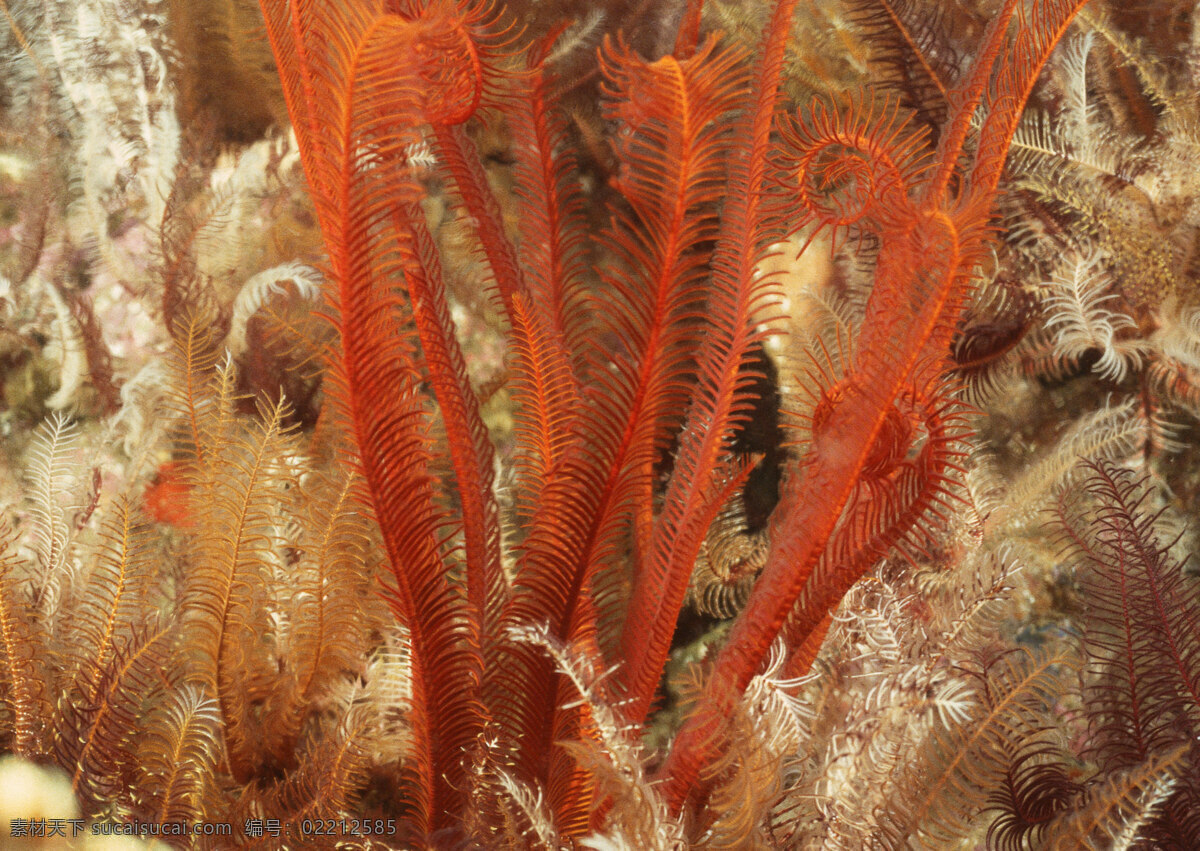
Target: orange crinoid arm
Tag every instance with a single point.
(859, 493)
(361, 79)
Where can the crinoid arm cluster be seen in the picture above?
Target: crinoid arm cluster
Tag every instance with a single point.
(451, 424)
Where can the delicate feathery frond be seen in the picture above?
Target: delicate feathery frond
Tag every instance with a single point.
(50, 476)
(505, 811)
(1078, 107)
(1035, 38)
(461, 167)
(828, 320)
(537, 822)
(546, 322)
(471, 453)
(232, 494)
(1142, 633)
(177, 753)
(1041, 148)
(256, 291)
(552, 245)
(615, 759)
(673, 150)
(325, 618)
(1142, 694)
(1135, 829)
(628, 424)
(903, 505)
(582, 34)
(547, 405)
(1074, 140)
(191, 384)
(473, 60)
(22, 646)
(116, 594)
(1082, 324)
(369, 734)
(1152, 78)
(771, 723)
(1118, 809)
(99, 728)
(909, 45)
(359, 83)
(1034, 790)
(541, 290)
(365, 738)
(737, 300)
(1110, 434)
(961, 764)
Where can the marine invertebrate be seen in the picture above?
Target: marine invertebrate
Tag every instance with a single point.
(358, 102)
(536, 620)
